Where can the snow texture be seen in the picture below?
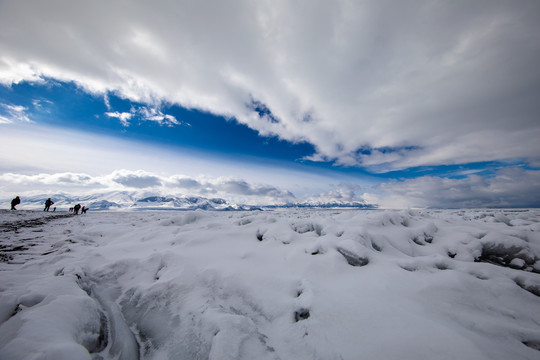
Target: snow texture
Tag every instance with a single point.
(282, 284)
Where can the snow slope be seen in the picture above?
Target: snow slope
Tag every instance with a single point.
(282, 284)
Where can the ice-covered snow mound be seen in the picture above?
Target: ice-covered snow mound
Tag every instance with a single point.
(284, 284)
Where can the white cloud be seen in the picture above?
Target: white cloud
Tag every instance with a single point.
(153, 114)
(143, 113)
(13, 113)
(13, 72)
(184, 182)
(225, 187)
(138, 179)
(236, 189)
(511, 187)
(342, 193)
(107, 101)
(42, 104)
(241, 187)
(434, 83)
(124, 117)
(61, 179)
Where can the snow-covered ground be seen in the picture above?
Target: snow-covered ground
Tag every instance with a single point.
(283, 284)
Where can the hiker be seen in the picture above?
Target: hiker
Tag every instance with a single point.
(83, 210)
(15, 202)
(70, 209)
(76, 209)
(48, 204)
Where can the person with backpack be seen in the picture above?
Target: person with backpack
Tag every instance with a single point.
(15, 202)
(48, 204)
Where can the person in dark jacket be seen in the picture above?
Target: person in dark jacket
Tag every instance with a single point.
(48, 204)
(76, 209)
(15, 202)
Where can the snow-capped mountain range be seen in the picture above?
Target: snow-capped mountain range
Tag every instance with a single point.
(124, 200)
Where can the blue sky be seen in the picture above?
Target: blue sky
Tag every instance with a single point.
(65, 105)
(274, 102)
(60, 104)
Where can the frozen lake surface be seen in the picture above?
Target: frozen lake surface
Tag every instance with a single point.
(284, 284)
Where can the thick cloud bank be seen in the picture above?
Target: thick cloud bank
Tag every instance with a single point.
(512, 187)
(236, 189)
(386, 85)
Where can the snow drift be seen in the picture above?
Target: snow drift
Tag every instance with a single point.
(282, 284)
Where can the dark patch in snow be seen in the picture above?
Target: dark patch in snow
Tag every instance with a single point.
(28, 223)
(303, 228)
(301, 314)
(423, 239)
(16, 248)
(352, 258)
(442, 266)
(479, 276)
(391, 218)
(103, 337)
(533, 344)
(5, 257)
(513, 256)
(17, 310)
(24, 220)
(533, 289)
(409, 267)
(161, 266)
(376, 246)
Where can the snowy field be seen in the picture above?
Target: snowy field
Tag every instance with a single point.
(284, 284)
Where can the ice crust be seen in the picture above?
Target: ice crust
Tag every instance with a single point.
(283, 284)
